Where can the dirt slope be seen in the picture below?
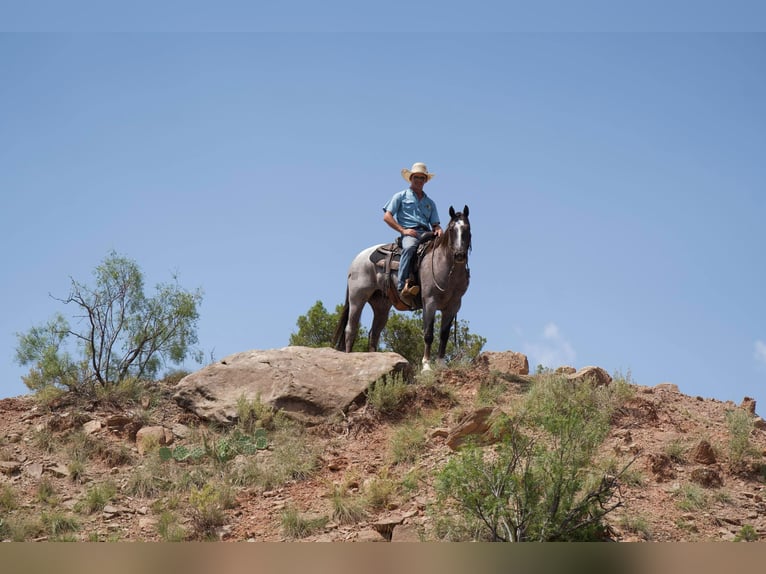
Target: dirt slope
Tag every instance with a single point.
(678, 490)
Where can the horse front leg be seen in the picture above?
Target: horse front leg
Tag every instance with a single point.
(429, 315)
(444, 334)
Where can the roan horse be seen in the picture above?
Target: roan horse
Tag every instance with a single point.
(444, 277)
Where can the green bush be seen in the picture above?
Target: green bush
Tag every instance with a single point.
(539, 483)
(124, 334)
(740, 425)
(388, 394)
(295, 525)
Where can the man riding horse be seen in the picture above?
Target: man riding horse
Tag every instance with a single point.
(412, 213)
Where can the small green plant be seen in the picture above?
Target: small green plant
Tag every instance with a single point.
(346, 509)
(740, 425)
(45, 440)
(676, 451)
(747, 534)
(691, 497)
(637, 525)
(76, 469)
(207, 508)
(97, 497)
(380, 491)
(58, 524)
(407, 443)
(296, 526)
(169, 528)
(46, 491)
(8, 497)
(490, 392)
(253, 415)
(181, 453)
(388, 394)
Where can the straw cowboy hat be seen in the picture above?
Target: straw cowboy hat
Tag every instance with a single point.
(417, 168)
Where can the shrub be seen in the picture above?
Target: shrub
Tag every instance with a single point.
(8, 497)
(58, 524)
(168, 527)
(521, 490)
(346, 508)
(407, 443)
(388, 394)
(638, 525)
(46, 492)
(740, 425)
(207, 508)
(691, 497)
(676, 450)
(125, 334)
(747, 534)
(97, 497)
(296, 526)
(379, 492)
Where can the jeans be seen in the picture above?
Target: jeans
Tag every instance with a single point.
(409, 247)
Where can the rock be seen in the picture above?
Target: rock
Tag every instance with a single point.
(707, 477)
(748, 404)
(703, 453)
(181, 430)
(661, 466)
(35, 470)
(9, 467)
(370, 535)
(118, 421)
(59, 470)
(477, 423)
(565, 370)
(385, 525)
(405, 533)
(667, 387)
(308, 384)
(507, 362)
(598, 376)
(759, 423)
(91, 427)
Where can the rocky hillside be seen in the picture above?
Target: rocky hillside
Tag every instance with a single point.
(135, 465)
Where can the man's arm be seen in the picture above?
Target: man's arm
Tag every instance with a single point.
(388, 217)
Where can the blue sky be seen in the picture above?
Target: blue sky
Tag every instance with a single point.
(615, 183)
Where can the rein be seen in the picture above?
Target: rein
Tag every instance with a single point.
(433, 275)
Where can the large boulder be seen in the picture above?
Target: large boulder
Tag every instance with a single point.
(308, 384)
(505, 362)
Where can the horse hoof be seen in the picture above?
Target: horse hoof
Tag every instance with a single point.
(426, 366)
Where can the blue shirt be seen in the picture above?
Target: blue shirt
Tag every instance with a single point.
(411, 212)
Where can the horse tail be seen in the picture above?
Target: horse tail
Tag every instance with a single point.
(339, 337)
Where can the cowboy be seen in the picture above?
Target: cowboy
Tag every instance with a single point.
(412, 213)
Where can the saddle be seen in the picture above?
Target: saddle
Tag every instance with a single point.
(386, 259)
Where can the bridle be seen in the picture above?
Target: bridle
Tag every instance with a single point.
(457, 256)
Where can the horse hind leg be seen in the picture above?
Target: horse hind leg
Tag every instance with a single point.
(352, 325)
(381, 307)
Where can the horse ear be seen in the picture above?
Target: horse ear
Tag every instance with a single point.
(465, 210)
(451, 211)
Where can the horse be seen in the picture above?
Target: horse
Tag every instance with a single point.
(444, 278)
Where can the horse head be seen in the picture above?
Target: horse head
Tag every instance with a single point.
(458, 234)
